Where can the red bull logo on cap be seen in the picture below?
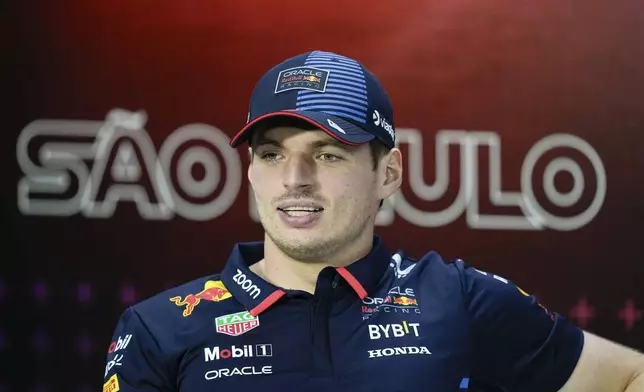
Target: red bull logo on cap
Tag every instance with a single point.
(213, 291)
(311, 79)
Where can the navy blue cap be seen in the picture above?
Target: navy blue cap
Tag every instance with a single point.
(332, 92)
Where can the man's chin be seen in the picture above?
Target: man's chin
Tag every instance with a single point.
(305, 238)
(302, 244)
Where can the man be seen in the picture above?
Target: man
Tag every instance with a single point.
(320, 304)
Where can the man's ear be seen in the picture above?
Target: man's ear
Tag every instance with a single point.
(390, 173)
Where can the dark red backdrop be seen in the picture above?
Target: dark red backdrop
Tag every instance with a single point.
(520, 72)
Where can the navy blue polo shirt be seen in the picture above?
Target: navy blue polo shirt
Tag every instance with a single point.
(384, 323)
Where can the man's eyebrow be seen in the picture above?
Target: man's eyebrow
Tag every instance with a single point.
(318, 144)
(332, 143)
(264, 141)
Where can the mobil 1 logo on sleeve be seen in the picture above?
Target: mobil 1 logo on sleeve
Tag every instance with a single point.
(119, 344)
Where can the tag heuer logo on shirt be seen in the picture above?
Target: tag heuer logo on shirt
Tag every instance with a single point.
(237, 323)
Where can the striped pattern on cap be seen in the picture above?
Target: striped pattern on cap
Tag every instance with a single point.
(346, 89)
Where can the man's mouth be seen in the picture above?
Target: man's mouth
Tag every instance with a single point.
(300, 211)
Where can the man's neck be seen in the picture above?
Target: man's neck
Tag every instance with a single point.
(282, 271)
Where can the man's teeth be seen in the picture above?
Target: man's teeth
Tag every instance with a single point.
(300, 211)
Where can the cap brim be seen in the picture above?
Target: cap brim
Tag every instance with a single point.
(336, 127)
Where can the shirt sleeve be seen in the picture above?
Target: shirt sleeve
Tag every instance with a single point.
(518, 344)
(134, 358)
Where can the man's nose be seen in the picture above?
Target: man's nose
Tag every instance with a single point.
(299, 173)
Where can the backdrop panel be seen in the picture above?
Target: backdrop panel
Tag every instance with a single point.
(520, 124)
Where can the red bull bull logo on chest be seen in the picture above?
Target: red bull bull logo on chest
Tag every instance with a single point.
(213, 291)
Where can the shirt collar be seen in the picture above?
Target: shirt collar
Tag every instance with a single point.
(257, 295)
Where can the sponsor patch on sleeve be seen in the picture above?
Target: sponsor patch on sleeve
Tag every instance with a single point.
(112, 384)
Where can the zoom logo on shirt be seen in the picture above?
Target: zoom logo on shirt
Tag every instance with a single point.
(387, 331)
(247, 284)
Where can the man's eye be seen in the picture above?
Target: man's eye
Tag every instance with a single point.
(269, 156)
(329, 157)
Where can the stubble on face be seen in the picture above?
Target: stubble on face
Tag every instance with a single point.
(346, 192)
(319, 247)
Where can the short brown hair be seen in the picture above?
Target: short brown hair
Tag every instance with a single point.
(378, 150)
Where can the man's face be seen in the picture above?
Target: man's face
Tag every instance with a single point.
(314, 194)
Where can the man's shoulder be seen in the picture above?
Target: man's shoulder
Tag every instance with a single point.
(419, 284)
(160, 320)
(429, 264)
(181, 300)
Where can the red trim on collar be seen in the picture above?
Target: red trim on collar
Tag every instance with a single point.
(267, 302)
(353, 282)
